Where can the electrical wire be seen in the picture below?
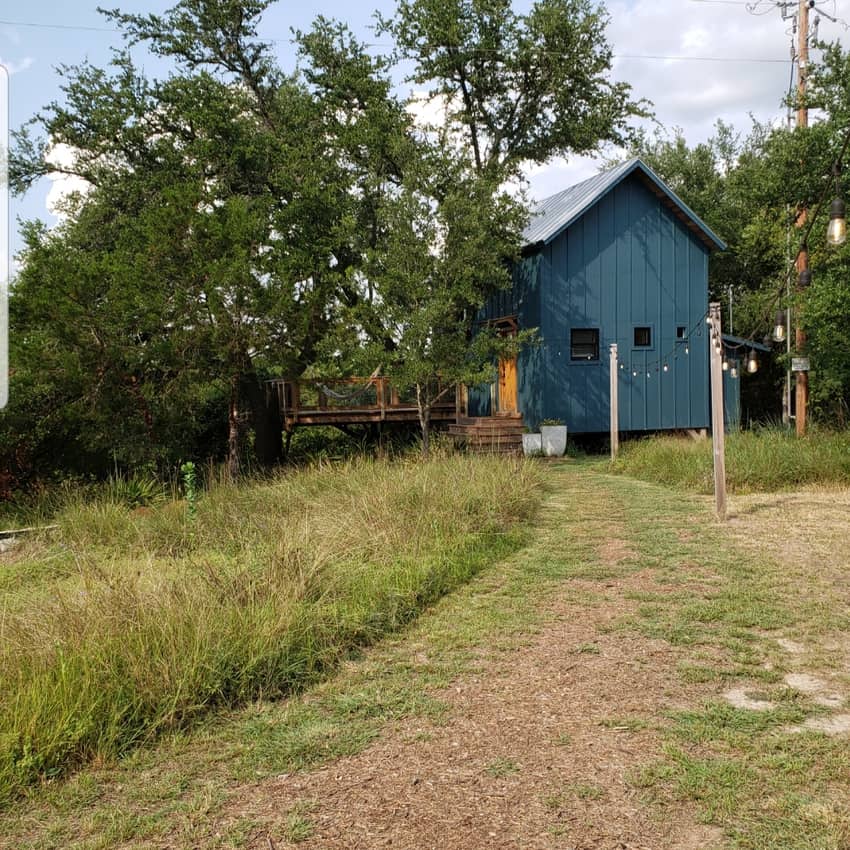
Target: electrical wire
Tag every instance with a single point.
(57, 26)
(547, 53)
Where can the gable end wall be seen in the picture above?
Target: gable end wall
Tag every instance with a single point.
(628, 261)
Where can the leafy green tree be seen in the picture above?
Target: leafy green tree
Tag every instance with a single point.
(450, 236)
(518, 88)
(240, 221)
(225, 202)
(432, 237)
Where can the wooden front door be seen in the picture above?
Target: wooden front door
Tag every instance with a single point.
(507, 386)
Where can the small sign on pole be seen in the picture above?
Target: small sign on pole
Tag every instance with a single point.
(799, 364)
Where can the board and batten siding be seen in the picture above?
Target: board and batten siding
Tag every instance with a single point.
(626, 262)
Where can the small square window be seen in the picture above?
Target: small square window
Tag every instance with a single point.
(584, 344)
(643, 337)
(681, 331)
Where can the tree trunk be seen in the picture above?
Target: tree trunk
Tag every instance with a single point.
(233, 459)
(265, 416)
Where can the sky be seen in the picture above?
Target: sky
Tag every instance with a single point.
(697, 61)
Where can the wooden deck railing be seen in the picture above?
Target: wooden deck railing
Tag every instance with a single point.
(352, 400)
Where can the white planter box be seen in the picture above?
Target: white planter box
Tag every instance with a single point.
(532, 444)
(554, 439)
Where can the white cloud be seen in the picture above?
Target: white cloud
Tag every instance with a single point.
(62, 185)
(16, 67)
(693, 93)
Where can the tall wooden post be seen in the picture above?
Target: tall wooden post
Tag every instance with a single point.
(615, 411)
(718, 435)
(802, 387)
(802, 378)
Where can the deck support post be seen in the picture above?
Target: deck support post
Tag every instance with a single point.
(381, 392)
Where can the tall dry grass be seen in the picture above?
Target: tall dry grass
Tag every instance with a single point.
(156, 619)
(766, 460)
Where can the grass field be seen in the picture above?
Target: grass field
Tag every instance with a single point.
(663, 614)
(128, 623)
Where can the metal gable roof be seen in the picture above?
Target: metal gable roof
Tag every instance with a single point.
(556, 213)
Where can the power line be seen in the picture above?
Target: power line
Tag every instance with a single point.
(700, 58)
(632, 56)
(58, 26)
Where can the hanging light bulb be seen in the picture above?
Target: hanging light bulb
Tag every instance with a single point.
(779, 327)
(734, 370)
(687, 350)
(836, 231)
(752, 362)
(725, 365)
(666, 367)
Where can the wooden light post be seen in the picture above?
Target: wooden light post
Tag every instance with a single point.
(718, 435)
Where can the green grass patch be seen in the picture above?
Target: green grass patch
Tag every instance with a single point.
(756, 461)
(501, 768)
(163, 618)
(766, 786)
(720, 608)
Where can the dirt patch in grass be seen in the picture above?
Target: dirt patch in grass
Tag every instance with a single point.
(535, 750)
(616, 551)
(807, 533)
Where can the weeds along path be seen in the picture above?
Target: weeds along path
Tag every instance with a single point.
(638, 677)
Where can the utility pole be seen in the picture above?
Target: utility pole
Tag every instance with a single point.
(802, 393)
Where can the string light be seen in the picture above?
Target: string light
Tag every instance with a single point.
(779, 326)
(836, 231)
(663, 364)
(752, 362)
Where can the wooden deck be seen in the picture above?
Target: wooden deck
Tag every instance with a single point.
(362, 401)
(353, 401)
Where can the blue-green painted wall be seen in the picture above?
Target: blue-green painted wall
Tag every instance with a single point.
(626, 262)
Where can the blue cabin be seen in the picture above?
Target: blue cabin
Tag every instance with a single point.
(617, 259)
